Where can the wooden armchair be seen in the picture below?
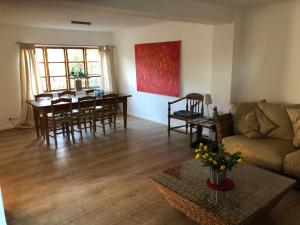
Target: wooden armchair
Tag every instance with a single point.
(193, 110)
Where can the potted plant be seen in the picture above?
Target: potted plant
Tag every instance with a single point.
(78, 74)
(218, 162)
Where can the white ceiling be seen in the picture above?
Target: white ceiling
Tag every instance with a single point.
(244, 3)
(114, 15)
(57, 14)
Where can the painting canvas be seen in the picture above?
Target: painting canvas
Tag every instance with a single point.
(158, 67)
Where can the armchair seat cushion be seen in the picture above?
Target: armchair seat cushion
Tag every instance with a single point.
(186, 114)
(265, 152)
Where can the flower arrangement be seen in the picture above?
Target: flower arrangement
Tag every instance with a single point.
(219, 161)
(78, 73)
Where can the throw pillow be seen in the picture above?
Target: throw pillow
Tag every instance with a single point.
(249, 126)
(277, 114)
(265, 125)
(238, 110)
(294, 115)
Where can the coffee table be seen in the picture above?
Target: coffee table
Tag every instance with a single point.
(256, 191)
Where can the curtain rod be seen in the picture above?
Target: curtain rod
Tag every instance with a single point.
(60, 45)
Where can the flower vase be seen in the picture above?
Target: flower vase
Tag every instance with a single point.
(217, 177)
(78, 85)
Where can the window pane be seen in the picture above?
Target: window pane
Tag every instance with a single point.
(92, 55)
(44, 86)
(39, 55)
(94, 82)
(56, 69)
(75, 55)
(76, 66)
(58, 83)
(41, 69)
(72, 82)
(93, 68)
(55, 55)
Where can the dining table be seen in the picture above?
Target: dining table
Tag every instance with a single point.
(43, 107)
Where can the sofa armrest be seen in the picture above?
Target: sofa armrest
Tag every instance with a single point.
(224, 126)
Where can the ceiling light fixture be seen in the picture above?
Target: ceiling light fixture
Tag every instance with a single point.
(81, 22)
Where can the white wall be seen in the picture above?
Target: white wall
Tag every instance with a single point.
(270, 52)
(196, 60)
(9, 62)
(222, 59)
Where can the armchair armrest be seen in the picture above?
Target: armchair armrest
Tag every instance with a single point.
(224, 126)
(178, 100)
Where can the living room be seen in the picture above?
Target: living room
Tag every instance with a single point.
(104, 170)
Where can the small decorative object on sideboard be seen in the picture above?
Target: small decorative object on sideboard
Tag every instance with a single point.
(78, 74)
(218, 162)
(207, 101)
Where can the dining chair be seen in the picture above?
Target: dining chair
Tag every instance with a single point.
(108, 113)
(42, 97)
(67, 93)
(90, 92)
(61, 117)
(86, 114)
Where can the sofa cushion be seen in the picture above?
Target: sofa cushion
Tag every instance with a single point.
(291, 163)
(294, 115)
(249, 126)
(277, 115)
(238, 110)
(265, 125)
(266, 152)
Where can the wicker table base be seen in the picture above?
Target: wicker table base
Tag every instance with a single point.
(190, 197)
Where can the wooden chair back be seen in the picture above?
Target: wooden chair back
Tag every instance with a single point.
(68, 93)
(108, 105)
(194, 103)
(87, 105)
(61, 107)
(90, 92)
(43, 96)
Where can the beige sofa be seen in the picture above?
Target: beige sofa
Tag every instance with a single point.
(264, 133)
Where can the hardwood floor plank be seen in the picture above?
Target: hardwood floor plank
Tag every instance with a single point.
(101, 179)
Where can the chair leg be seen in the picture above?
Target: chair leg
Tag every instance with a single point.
(85, 125)
(103, 125)
(186, 128)
(169, 126)
(68, 130)
(115, 119)
(72, 131)
(94, 124)
(63, 128)
(55, 135)
(80, 130)
(191, 135)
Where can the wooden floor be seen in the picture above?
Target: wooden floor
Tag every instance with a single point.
(101, 180)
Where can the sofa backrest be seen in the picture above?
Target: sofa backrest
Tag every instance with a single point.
(276, 113)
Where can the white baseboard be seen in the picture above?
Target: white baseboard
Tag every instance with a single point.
(146, 118)
(6, 126)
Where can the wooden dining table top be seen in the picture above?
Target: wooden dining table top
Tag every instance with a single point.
(47, 102)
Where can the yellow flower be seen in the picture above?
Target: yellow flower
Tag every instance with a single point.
(205, 148)
(204, 156)
(215, 162)
(201, 145)
(223, 167)
(197, 156)
(210, 159)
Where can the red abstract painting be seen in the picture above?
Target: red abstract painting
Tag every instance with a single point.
(158, 67)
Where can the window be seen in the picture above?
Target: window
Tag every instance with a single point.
(54, 66)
